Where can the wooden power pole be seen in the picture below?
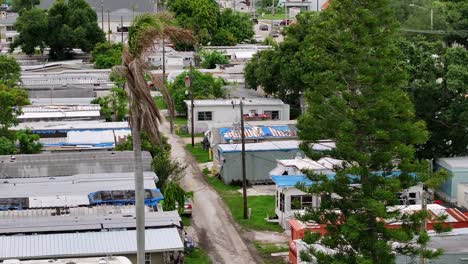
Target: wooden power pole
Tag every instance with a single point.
(244, 179)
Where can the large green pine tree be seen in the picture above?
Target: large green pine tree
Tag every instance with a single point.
(355, 97)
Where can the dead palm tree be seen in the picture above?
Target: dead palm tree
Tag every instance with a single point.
(144, 115)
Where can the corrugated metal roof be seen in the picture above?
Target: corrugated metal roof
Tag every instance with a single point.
(70, 163)
(68, 223)
(76, 211)
(71, 125)
(87, 244)
(228, 102)
(263, 146)
(49, 188)
(99, 260)
(455, 163)
(308, 164)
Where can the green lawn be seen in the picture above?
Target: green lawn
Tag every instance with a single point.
(187, 135)
(197, 256)
(180, 121)
(200, 155)
(265, 249)
(262, 206)
(160, 103)
(187, 220)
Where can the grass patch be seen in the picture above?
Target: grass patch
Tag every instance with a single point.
(187, 135)
(180, 120)
(187, 220)
(160, 103)
(262, 206)
(200, 155)
(197, 256)
(265, 249)
(277, 16)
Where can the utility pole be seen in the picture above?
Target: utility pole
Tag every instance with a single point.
(121, 30)
(192, 106)
(102, 15)
(108, 25)
(189, 84)
(422, 260)
(432, 19)
(272, 8)
(164, 60)
(244, 180)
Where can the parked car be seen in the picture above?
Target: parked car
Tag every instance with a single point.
(264, 27)
(188, 206)
(275, 34)
(285, 22)
(255, 20)
(276, 24)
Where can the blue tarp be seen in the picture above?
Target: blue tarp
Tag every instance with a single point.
(292, 180)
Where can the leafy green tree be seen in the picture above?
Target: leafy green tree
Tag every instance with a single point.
(106, 55)
(200, 16)
(270, 41)
(354, 91)
(238, 24)
(11, 101)
(457, 19)
(20, 6)
(72, 24)
(437, 85)
(223, 38)
(7, 146)
(32, 28)
(166, 168)
(28, 142)
(10, 70)
(114, 106)
(204, 86)
(210, 59)
(210, 25)
(281, 72)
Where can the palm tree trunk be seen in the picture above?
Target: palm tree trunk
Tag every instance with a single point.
(139, 191)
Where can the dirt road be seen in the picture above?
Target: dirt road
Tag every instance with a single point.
(213, 224)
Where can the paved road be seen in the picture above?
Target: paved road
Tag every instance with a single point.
(214, 225)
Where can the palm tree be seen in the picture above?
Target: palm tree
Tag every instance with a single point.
(146, 29)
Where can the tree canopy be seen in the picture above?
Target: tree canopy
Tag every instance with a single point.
(10, 70)
(211, 58)
(11, 100)
(28, 143)
(106, 55)
(437, 85)
(66, 25)
(20, 6)
(209, 24)
(204, 86)
(347, 60)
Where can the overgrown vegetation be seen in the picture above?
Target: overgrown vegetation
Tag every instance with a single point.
(198, 153)
(66, 25)
(106, 55)
(263, 206)
(197, 256)
(204, 86)
(211, 58)
(266, 249)
(210, 25)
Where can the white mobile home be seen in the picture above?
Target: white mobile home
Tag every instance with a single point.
(458, 167)
(210, 112)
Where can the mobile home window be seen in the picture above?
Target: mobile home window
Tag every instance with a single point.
(274, 114)
(299, 202)
(147, 258)
(205, 116)
(282, 202)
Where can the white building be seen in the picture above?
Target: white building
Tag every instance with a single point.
(210, 112)
(297, 165)
(34, 113)
(291, 201)
(101, 260)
